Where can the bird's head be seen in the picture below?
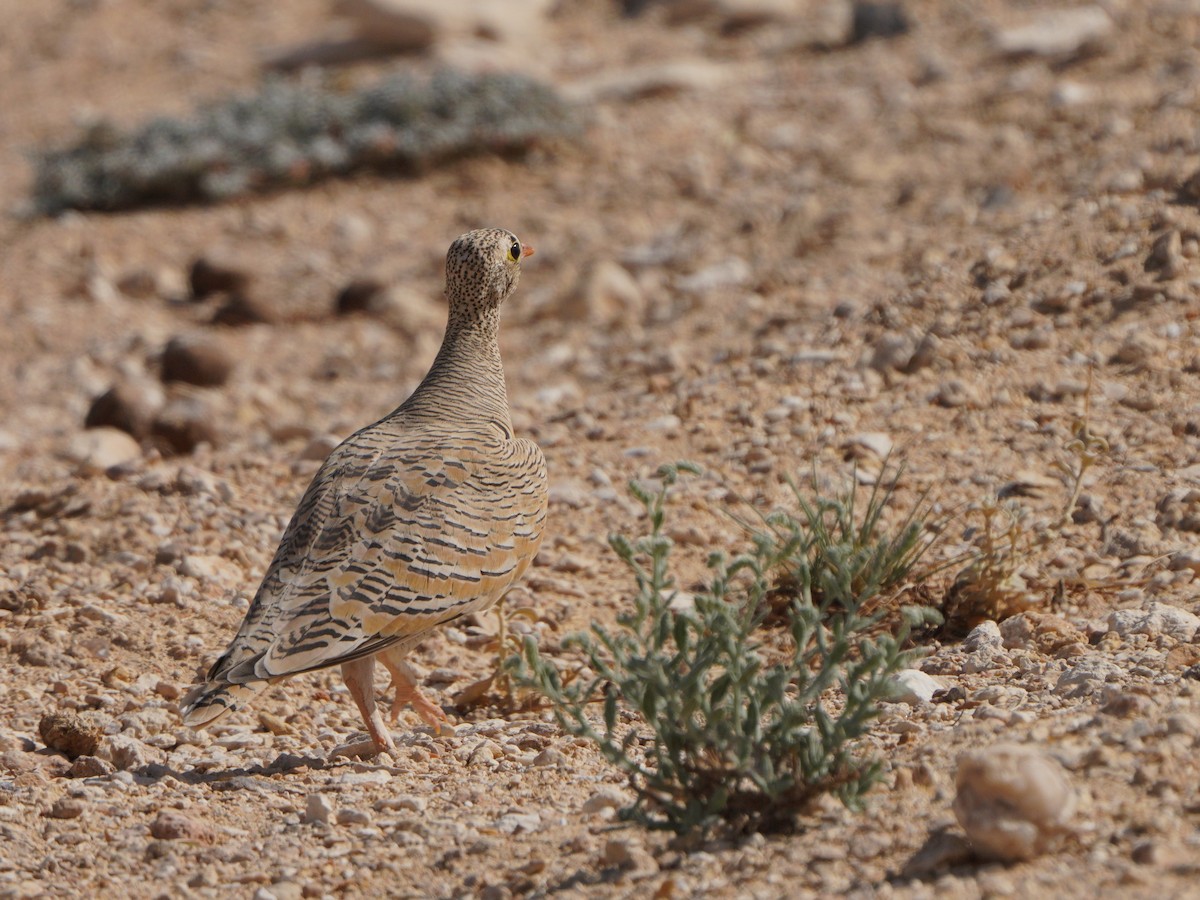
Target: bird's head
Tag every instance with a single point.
(483, 267)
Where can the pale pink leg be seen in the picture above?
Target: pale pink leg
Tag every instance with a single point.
(404, 683)
(359, 676)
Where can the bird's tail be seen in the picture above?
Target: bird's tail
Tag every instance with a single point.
(208, 702)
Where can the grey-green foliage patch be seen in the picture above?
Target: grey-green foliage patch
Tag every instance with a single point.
(292, 133)
(735, 725)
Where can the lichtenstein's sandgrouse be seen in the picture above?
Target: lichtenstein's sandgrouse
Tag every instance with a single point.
(429, 514)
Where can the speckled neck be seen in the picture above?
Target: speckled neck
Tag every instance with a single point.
(466, 380)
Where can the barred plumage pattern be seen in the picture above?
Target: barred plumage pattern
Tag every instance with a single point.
(427, 515)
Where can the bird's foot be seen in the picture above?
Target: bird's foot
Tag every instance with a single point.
(406, 693)
(431, 714)
(365, 748)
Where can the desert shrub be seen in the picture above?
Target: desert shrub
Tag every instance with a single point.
(296, 132)
(736, 724)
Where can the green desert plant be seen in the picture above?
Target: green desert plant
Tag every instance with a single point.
(290, 133)
(731, 724)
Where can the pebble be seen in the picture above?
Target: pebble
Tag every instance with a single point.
(617, 852)
(629, 854)
(1056, 33)
(1014, 801)
(99, 449)
(274, 724)
(729, 273)
(912, 686)
(941, 850)
(984, 638)
(90, 767)
(1166, 256)
(317, 809)
(66, 808)
(650, 80)
(187, 421)
(607, 294)
(215, 274)
(519, 823)
(1155, 619)
(1040, 631)
(551, 756)
(197, 358)
(892, 351)
(346, 816)
(402, 801)
(954, 393)
(142, 284)
(70, 733)
(878, 20)
(1185, 559)
(129, 405)
(1085, 674)
(246, 307)
(868, 444)
(172, 825)
(605, 799)
(127, 752)
(1179, 509)
(209, 567)
(361, 295)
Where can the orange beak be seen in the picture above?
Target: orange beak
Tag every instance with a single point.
(526, 251)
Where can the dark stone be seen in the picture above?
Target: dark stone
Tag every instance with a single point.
(360, 295)
(878, 20)
(196, 359)
(184, 423)
(210, 276)
(129, 405)
(245, 307)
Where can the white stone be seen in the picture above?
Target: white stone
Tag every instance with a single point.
(605, 798)
(98, 449)
(731, 272)
(317, 809)
(1056, 32)
(912, 686)
(984, 638)
(519, 823)
(869, 443)
(651, 79)
(1086, 674)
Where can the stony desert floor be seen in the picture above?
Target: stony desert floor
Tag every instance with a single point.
(774, 250)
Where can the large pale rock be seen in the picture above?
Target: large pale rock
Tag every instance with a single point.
(1153, 620)
(70, 733)
(1014, 802)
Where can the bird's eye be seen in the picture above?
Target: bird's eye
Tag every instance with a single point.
(514, 252)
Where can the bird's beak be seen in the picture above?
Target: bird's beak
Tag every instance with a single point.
(526, 251)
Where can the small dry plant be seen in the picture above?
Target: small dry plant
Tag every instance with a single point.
(1007, 541)
(727, 730)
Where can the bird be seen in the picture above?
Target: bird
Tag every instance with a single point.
(429, 514)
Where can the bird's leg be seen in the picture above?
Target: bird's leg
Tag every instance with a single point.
(404, 683)
(500, 678)
(359, 676)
